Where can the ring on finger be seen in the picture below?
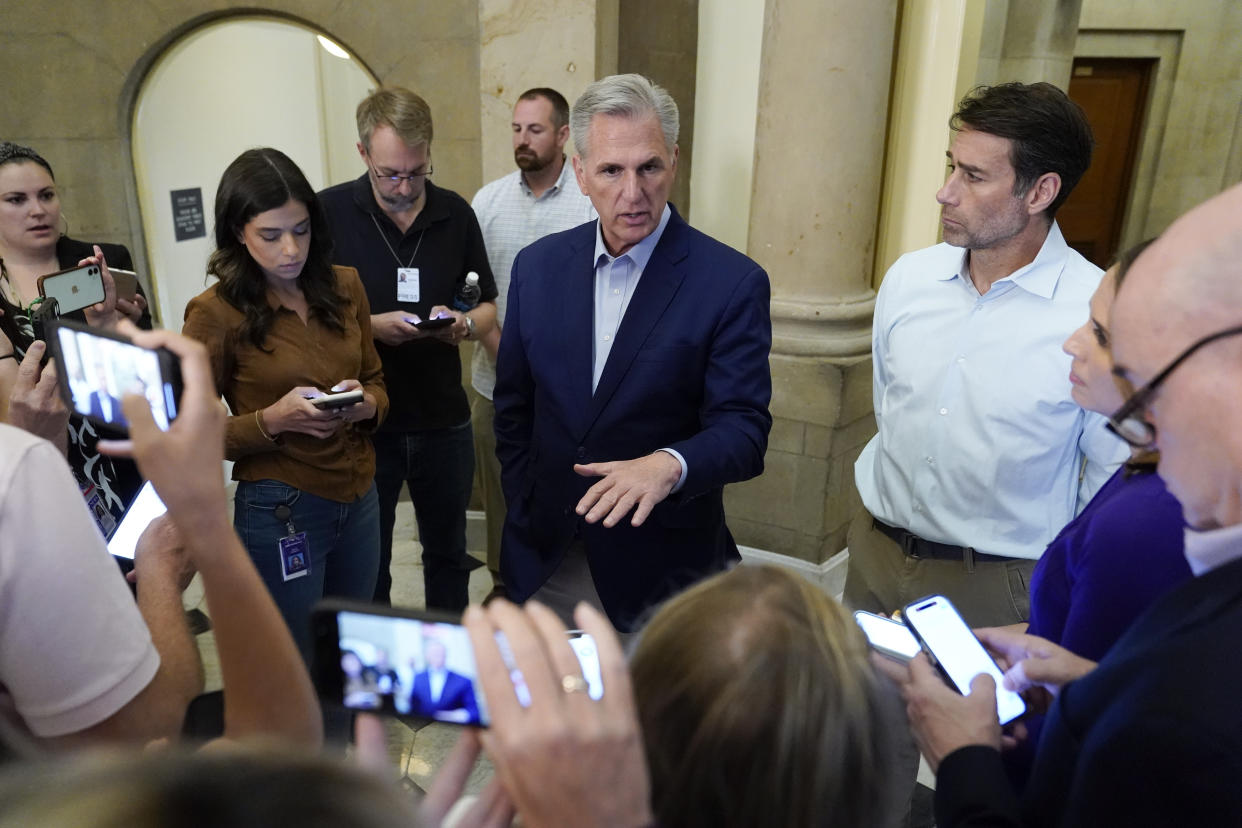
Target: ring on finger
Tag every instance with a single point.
(571, 683)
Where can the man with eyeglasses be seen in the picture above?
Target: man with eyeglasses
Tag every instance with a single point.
(1152, 735)
(413, 244)
(981, 454)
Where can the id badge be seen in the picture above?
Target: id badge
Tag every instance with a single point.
(294, 556)
(407, 284)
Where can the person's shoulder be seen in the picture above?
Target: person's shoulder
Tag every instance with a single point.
(211, 305)
(447, 200)
(561, 243)
(493, 189)
(69, 251)
(338, 195)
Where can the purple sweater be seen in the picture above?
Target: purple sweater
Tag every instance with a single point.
(1100, 573)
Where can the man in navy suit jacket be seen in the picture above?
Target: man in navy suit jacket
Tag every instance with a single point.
(1152, 735)
(632, 378)
(456, 692)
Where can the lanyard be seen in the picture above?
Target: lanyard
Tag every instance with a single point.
(388, 244)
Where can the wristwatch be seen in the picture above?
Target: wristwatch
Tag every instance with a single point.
(469, 326)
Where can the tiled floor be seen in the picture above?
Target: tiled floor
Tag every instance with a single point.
(415, 754)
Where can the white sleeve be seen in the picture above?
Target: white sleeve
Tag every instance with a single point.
(1103, 453)
(73, 647)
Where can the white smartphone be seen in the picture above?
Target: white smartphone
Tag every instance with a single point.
(889, 637)
(145, 508)
(74, 288)
(337, 400)
(959, 654)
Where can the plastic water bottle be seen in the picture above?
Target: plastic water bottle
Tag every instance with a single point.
(468, 296)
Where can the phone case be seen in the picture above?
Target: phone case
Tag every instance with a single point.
(74, 288)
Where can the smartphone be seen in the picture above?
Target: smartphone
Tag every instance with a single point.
(126, 283)
(74, 288)
(42, 314)
(144, 508)
(96, 368)
(889, 637)
(958, 653)
(413, 664)
(340, 400)
(434, 324)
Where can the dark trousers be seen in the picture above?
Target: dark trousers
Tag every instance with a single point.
(438, 466)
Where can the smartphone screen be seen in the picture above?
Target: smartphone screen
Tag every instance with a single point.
(145, 508)
(937, 623)
(892, 638)
(96, 370)
(413, 664)
(75, 288)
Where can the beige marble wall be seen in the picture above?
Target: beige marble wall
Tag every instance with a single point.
(819, 146)
(72, 68)
(1194, 149)
(1038, 41)
(528, 43)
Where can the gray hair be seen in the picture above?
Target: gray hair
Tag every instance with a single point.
(630, 96)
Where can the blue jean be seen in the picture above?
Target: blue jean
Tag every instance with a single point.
(343, 540)
(438, 466)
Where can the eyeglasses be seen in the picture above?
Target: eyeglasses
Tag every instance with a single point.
(395, 180)
(1129, 422)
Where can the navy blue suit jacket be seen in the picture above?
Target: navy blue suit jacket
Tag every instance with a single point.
(458, 694)
(688, 370)
(1150, 737)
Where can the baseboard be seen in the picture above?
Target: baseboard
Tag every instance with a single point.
(828, 576)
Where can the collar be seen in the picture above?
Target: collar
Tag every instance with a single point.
(1039, 277)
(640, 253)
(1212, 548)
(562, 180)
(434, 206)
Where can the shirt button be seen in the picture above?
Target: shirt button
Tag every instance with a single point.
(616, 292)
(943, 411)
(918, 508)
(608, 337)
(930, 461)
(961, 359)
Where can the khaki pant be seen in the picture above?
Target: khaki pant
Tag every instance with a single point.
(881, 578)
(487, 472)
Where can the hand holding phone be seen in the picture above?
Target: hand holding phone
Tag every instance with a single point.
(97, 368)
(341, 399)
(74, 288)
(959, 655)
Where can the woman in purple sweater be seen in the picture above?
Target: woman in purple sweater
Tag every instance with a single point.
(1124, 550)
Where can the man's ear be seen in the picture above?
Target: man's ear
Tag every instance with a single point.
(362, 151)
(1042, 193)
(562, 135)
(580, 174)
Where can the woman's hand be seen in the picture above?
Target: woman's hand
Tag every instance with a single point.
(132, 309)
(103, 314)
(293, 412)
(358, 412)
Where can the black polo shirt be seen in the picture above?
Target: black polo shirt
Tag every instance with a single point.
(423, 378)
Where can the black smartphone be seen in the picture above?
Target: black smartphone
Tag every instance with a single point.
(337, 400)
(96, 368)
(435, 324)
(957, 652)
(889, 637)
(41, 315)
(412, 663)
(74, 288)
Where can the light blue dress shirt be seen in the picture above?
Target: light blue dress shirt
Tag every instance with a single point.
(616, 279)
(979, 441)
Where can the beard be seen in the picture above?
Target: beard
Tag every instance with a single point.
(528, 160)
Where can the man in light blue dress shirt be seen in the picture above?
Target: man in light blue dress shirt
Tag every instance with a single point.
(981, 455)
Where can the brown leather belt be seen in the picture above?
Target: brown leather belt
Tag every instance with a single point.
(915, 547)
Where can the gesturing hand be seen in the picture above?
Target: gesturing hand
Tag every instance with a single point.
(627, 484)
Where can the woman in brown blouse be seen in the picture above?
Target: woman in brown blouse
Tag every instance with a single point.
(284, 326)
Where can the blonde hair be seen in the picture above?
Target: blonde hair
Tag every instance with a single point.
(396, 107)
(759, 706)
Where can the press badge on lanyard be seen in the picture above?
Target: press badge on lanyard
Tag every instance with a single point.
(294, 548)
(407, 284)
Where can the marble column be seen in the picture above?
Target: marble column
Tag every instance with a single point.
(1039, 41)
(823, 106)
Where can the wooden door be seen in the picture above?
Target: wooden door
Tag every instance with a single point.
(1113, 93)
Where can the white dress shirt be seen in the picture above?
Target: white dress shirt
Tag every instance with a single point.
(511, 217)
(1212, 548)
(979, 441)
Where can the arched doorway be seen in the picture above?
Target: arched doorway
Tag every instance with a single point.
(225, 87)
